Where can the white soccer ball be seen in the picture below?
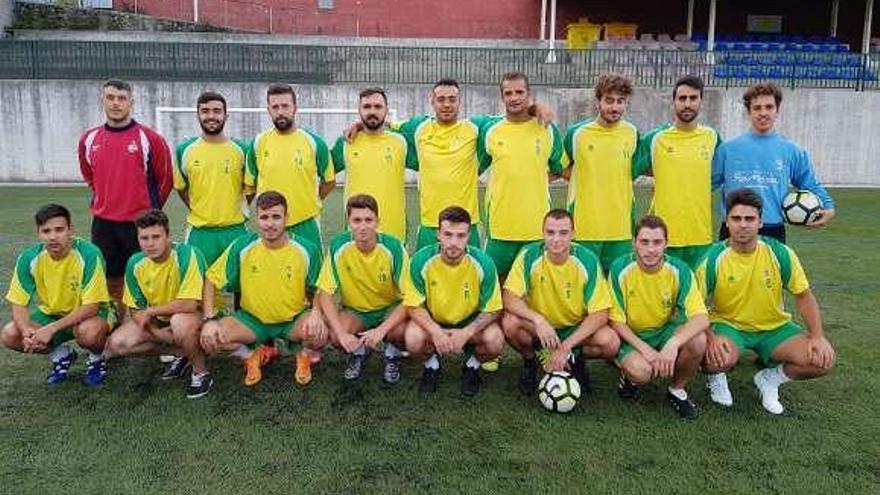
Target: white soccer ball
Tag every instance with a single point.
(559, 391)
(800, 207)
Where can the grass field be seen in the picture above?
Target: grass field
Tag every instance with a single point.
(139, 435)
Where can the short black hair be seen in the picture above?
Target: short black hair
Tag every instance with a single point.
(559, 214)
(446, 81)
(454, 214)
(373, 91)
(281, 89)
(269, 199)
(151, 218)
(362, 201)
(118, 84)
(651, 222)
(516, 76)
(50, 211)
(743, 196)
(690, 81)
(208, 96)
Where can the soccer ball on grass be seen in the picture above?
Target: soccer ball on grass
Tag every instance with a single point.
(559, 391)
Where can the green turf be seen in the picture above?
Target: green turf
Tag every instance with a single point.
(140, 435)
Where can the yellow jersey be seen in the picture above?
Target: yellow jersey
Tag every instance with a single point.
(212, 174)
(180, 276)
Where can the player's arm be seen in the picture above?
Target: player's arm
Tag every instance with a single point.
(542, 112)
(43, 335)
(170, 308)
(85, 167)
(593, 322)
(442, 343)
(371, 338)
(22, 319)
(483, 320)
(325, 188)
(161, 164)
(516, 306)
(331, 314)
(821, 352)
(803, 176)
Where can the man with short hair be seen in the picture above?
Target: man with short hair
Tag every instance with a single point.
(163, 288)
(367, 269)
(292, 160)
(600, 192)
(128, 169)
(679, 156)
(658, 312)
(522, 155)
(374, 162)
(454, 300)
(276, 274)
(743, 279)
(768, 163)
(65, 275)
(556, 299)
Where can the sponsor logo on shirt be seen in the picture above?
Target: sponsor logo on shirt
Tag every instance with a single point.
(467, 290)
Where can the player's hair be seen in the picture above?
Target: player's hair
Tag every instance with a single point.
(446, 81)
(118, 84)
(515, 76)
(151, 218)
(558, 214)
(373, 91)
(743, 196)
(690, 81)
(361, 201)
(281, 89)
(50, 211)
(762, 89)
(651, 222)
(268, 199)
(454, 214)
(209, 96)
(612, 83)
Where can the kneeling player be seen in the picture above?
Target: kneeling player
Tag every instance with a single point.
(66, 274)
(163, 287)
(276, 274)
(366, 267)
(743, 279)
(659, 313)
(556, 298)
(454, 299)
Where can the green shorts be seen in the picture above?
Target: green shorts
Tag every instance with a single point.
(267, 332)
(654, 338)
(503, 253)
(692, 255)
(371, 319)
(427, 236)
(608, 251)
(66, 333)
(763, 343)
(309, 229)
(212, 241)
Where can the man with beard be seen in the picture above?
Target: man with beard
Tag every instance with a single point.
(679, 155)
(294, 161)
(600, 193)
(374, 162)
(128, 168)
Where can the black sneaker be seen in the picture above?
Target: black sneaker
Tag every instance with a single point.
(355, 366)
(177, 368)
(581, 372)
(391, 370)
(528, 377)
(470, 381)
(684, 407)
(626, 389)
(200, 389)
(428, 383)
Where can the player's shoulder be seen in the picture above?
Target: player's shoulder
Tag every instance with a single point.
(308, 246)
(339, 241)
(186, 143)
(134, 260)
(777, 247)
(30, 253)
(424, 255)
(395, 136)
(622, 265)
(244, 241)
(152, 134)
(86, 248)
(480, 260)
(677, 266)
(585, 257)
(392, 243)
(629, 127)
(581, 125)
(239, 143)
(659, 130)
(311, 135)
(91, 131)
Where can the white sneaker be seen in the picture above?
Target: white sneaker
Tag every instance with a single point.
(769, 392)
(719, 392)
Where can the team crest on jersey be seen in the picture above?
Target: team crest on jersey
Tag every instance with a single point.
(132, 147)
(667, 300)
(768, 280)
(388, 156)
(466, 290)
(538, 146)
(298, 159)
(73, 283)
(383, 276)
(589, 147)
(704, 153)
(568, 290)
(670, 149)
(226, 166)
(288, 272)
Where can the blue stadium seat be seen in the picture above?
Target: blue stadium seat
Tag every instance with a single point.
(721, 71)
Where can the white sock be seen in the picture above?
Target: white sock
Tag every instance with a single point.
(60, 352)
(777, 376)
(360, 351)
(680, 393)
(196, 378)
(473, 363)
(432, 362)
(391, 351)
(94, 358)
(242, 352)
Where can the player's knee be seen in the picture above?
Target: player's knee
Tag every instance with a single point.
(92, 336)
(184, 323)
(606, 342)
(10, 336)
(510, 324)
(492, 341)
(694, 348)
(637, 370)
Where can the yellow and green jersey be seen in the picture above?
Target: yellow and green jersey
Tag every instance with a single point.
(682, 167)
(294, 164)
(366, 281)
(600, 192)
(62, 285)
(453, 293)
(745, 289)
(275, 284)
(445, 155)
(520, 155)
(564, 293)
(648, 301)
(212, 174)
(375, 165)
(180, 276)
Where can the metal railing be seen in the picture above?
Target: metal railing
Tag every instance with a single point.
(51, 59)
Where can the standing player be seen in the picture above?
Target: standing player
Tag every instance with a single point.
(743, 279)
(276, 274)
(163, 287)
(556, 298)
(660, 316)
(522, 154)
(66, 274)
(679, 154)
(374, 162)
(766, 162)
(366, 268)
(454, 300)
(128, 168)
(600, 195)
(293, 161)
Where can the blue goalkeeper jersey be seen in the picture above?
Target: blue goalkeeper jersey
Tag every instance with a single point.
(769, 165)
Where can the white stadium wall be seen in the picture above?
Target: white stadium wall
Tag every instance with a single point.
(40, 121)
